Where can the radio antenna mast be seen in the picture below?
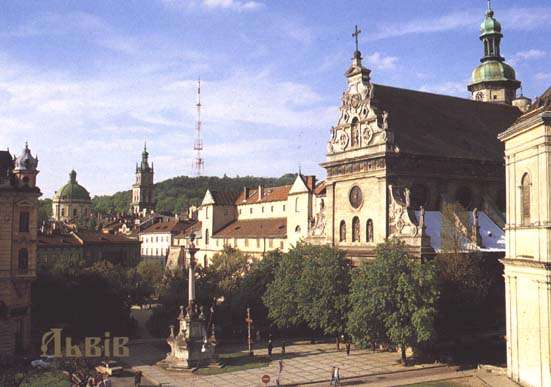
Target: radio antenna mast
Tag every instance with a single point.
(198, 166)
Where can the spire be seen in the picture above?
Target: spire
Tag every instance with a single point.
(357, 67)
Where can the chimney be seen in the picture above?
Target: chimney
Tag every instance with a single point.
(259, 193)
(246, 193)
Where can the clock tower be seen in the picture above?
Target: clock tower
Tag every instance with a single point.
(143, 191)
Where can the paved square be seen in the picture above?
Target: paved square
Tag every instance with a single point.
(302, 363)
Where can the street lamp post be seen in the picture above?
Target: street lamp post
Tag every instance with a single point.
(249, 321)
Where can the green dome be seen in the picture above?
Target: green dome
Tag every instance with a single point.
(490, 25)
(492, 71)
(72, 190)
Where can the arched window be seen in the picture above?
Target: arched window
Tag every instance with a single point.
(296, 204)
(355, 229)
(355, 133)
(23, 261)
(205, 261)
(525, 199)
(342, 231)
(297, 229)
(369, 231)
(207, 236)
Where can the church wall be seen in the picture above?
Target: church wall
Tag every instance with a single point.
(527, 154)
(299, 213)
(528, 296)
(527, 270)
(263, 210)
(373, 207)
(64, 210)
(15, 284)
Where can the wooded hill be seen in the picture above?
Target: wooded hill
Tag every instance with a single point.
(172, 195)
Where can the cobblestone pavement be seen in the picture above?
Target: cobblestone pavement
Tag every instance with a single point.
(302, 363)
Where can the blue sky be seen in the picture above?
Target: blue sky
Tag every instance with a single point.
(85, 82)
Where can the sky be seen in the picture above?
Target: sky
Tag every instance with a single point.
(87, 82)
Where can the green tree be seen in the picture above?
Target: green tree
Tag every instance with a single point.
(44, 210)
(173, 295)
(151, 273)
(251, 289)
(394, 298)
(282, 296)
(323, 288)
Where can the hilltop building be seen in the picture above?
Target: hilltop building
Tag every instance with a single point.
(71, 202)
(143, 190)
(528, 257)
(18, 232)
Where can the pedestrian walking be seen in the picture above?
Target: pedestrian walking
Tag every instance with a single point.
(335, 377)
(138, 379)
(348, 348)
(270, 347)
(283, 347)
(279, 371)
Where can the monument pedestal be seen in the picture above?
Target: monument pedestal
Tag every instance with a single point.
(190, 348)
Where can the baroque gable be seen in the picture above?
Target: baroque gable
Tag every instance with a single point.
(361, 124)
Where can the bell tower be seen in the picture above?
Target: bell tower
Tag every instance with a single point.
(493, 80)
(143, 190)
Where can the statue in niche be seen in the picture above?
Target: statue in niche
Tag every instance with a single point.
(355, 133)
(318, 228)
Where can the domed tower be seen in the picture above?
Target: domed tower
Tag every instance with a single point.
(25, 168)
(143, 189)
(493, 80)
(71, 202)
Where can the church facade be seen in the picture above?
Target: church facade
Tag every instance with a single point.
(18, 234)
(395, 155)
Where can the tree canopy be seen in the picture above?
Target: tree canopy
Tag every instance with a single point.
(393, 299)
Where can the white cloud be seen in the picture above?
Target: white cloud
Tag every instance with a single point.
(89, 26)
(543, 76)
(523, 56)
(458, 89)
(526, 19)
(381, 62)
(234, 5)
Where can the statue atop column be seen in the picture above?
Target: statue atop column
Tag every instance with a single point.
(193, 346)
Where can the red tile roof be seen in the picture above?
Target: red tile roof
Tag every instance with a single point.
(320, 188)
(255, 228)
(194, 227)
(223, 198)
(269, 194)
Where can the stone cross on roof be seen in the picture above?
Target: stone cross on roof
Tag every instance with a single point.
(355, 35)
